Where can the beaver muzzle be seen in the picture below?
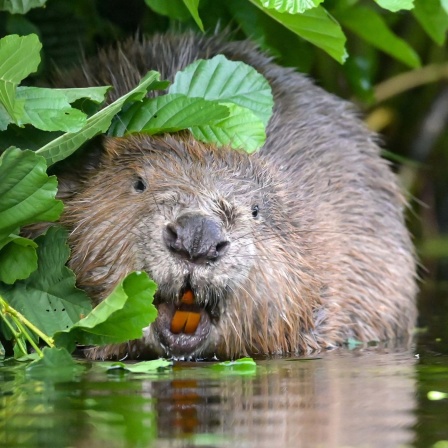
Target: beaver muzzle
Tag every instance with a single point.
(192, 239)
(184, 327)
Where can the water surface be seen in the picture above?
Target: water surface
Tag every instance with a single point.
(359, 397)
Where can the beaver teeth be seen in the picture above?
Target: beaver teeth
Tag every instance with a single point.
(185, 320)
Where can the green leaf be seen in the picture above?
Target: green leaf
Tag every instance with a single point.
(119, 318)
(396, 5)
(435, 395)
(56, 363)
(19, 56)
(174, 9)
(48, 110)
(48, 297)
(368, 25)
(291, 6)
(167, 113)
(314, 25)
(192, 6)
(18, 259)
(444, 4)
(433, 18)
(20, 6)
(68, 143)
(95, 94)
(242, 366)
(241, 130)
(226, 81)
(139, 367)
(27, 194)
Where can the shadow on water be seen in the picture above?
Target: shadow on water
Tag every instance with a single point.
(374, 397)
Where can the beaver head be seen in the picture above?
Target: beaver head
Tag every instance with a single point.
(210, 221)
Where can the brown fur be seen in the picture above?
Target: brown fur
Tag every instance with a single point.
(329, 257)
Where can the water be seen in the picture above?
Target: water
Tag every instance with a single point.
(364, 397)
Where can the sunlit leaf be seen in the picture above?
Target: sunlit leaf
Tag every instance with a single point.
(241, 130)
(119, 318)
(61, 147)
(242, 366)
(19, 56)
(396, 5)
(314, 25)
(291, 6)
(139, 367)
(167, 113)
(227, 81)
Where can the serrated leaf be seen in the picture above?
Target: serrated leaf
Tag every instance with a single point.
(67, 144)
(192, 6)
(18, 259)
(370, 26)
(19, 56)
(167, 113)
(433, 18)
(395, 5)
(48, 297)
(20, 6)
(119, 318)
(314, 25)
(241, 130)
(291, 6)
(48, 110)
(27, 193)
(227, 81)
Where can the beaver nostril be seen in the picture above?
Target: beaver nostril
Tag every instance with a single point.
(171, 232)
(222, 247)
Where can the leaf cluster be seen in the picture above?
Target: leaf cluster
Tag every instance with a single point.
(231, 104)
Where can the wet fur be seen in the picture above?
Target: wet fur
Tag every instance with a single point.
(328, 258)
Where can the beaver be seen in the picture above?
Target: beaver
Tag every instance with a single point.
(296, 248)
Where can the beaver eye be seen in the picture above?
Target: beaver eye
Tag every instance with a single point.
(139, 185)
(255, 210)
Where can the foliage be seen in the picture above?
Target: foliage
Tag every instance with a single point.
(220, 101)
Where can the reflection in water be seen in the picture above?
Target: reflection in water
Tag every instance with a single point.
(341, 400)
(344, 399)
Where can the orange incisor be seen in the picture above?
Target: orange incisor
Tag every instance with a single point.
(186, 321)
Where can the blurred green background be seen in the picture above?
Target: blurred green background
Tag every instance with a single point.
(396, 71)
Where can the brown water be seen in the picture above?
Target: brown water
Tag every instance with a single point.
(364, 397)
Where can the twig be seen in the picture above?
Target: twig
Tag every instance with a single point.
(409, 80)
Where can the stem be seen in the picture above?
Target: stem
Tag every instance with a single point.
(16, 335)
(409, 80)
(29, 338)
(7, 309)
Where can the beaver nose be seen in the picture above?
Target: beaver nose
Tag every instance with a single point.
(196, 237)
